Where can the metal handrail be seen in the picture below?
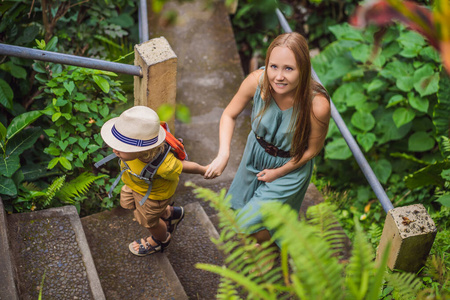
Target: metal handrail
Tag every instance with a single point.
(351, 142)
(143, 21)
(68, 59)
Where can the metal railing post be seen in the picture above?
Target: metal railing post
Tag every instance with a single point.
(143, 21)
(351, 142)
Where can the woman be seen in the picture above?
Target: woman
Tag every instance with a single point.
(290, 119)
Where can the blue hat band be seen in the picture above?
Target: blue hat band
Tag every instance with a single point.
(131, 141)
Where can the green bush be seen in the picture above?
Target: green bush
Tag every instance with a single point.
(394, 101)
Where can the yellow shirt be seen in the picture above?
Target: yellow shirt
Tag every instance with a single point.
(165, 180)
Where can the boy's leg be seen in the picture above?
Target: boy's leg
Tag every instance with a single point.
(173, 216)
(149, 216)
(127, 198)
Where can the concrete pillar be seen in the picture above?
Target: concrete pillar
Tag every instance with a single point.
(411, 232)
(159, 69)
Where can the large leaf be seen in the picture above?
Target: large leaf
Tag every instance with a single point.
(386, 129)
(382, 170)
(29, 34)
(337, 149)
(420, 141)
(20, 122)
(32, 172)
(366, 140)
(15, 70)
(7, 186)
(375, 85)
(401, 72)
(402, 116)
(22, 141)
(6, 94)
(9, 165)
(102, 83)
(426, 80)
(419, 103)
(444, 200)
(363, 120)
(2, 132)
(345, 31)
(430, 175)
(412, 43)
(362, 52)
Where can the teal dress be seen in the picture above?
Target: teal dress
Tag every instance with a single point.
(247, 192)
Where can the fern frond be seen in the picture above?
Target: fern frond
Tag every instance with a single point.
(241, 254)
(318, 272)
(445, 146)
(255, 291)
(30, 186)
(51, 191)
(361, 266)
(77, 187)
(322, 217)
(406, 285)
(226, 290)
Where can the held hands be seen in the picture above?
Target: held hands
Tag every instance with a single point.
(216, 167)
(268, 175)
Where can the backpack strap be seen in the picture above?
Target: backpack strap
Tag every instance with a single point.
(150, 170)
(105, 160)
(117, 179)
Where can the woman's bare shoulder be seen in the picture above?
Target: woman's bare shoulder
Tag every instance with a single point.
(321, 107)
(254, 77)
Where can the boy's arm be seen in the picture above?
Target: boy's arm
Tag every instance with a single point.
(193, 167)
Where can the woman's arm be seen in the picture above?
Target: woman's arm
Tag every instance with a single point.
(228, 122)
(319, 127)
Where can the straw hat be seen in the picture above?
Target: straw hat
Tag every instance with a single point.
(136, 129)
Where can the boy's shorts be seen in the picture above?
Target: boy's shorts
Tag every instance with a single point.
(148, 214)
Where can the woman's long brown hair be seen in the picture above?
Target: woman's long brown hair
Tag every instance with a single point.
(306, 90)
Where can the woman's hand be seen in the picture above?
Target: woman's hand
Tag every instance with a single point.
(216, 167)
(269, 175)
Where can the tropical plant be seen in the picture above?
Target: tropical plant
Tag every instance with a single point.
(58, 193)
(310, 266)
(68, 141)
(433, 24)
(14, 140)
(81, 101)
(394, 101)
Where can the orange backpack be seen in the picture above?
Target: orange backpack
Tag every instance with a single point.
(176, 144)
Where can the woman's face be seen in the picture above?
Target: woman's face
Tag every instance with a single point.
(282, 71)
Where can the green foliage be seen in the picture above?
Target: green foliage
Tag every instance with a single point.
(80, 103)
(58, 193)
(255, 25)
(388, 97)
(309, 267)
(15, 139)
(74, 102)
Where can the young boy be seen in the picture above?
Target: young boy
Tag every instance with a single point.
(137, 138)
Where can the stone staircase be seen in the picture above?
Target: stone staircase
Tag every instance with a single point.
(88, 258)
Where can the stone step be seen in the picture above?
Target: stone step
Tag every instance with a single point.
(122, 274)
(49, 246)
(192, 245)
(8, 290)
